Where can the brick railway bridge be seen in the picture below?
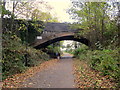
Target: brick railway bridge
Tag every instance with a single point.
(54, 32)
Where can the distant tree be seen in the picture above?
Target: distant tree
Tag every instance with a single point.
(43, 16)
(3, 10)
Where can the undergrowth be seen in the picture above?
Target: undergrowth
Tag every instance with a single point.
(105, 61)
(17, 57)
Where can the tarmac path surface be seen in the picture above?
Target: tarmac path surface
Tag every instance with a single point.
(58, 76)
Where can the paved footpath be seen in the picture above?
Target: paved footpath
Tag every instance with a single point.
(58, 76)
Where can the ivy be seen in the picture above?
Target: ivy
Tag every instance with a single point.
(14, 53)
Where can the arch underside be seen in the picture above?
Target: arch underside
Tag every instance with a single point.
(70, 37)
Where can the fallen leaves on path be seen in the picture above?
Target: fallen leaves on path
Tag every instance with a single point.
(85, 77)
(16, 80)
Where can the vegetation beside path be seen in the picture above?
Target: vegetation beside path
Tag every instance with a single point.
(17, 57)
(18, 34)
(85, 77)
(103, 62)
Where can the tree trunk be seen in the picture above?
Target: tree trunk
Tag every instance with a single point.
(102, 31)
(12, 16)
(119, 30)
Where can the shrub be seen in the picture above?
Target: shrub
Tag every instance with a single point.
(16, 56)
(35, 57)
(105, 61)
(81, 52)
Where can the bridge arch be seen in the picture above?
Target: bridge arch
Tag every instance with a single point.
(68, 37)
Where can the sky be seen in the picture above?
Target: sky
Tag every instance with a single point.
(59, 9)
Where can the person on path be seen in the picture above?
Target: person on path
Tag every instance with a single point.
(58, 55)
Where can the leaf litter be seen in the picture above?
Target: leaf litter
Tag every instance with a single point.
(85, 77)
(15, 80)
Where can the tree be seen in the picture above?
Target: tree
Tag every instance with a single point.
(34, 11)
(117, 5)
(94, 19)
(3, 9)
(43, 16)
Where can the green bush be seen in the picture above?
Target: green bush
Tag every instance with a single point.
(15, 55)
(35, 57)
(54, 49)
(105, 61)
(81, 52)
